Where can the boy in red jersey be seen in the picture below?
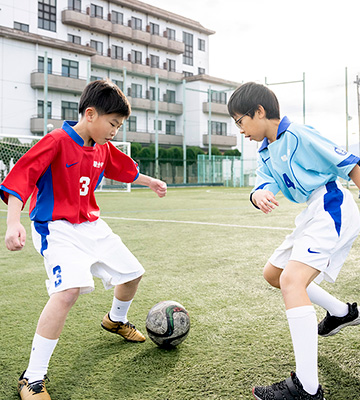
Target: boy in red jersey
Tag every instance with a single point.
(61, 172)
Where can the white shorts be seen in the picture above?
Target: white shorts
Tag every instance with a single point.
(75, 253)
(324, 233)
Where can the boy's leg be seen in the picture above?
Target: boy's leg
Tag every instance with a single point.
(116, 320)
(302, 322)
(325, 300)
(50, 325)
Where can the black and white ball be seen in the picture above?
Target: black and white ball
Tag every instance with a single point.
(168, 323)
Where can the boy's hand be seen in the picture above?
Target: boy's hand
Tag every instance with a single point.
(15, 237)
(159, 187)
(265, 200)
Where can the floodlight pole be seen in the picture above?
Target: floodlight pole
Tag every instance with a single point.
(298, 81)
(124, 86)
(156, 126)
(45, 93)
(357, 82)
(184, 129)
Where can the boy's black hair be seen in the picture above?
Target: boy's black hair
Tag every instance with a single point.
(105, 97)
(249, 96)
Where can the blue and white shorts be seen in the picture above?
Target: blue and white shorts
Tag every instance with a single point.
(75, 253)
(324, 233)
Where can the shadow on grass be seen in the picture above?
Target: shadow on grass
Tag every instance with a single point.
(110, 368)
(337, 383)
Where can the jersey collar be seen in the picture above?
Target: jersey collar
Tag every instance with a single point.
(67, 127)
(284, 124)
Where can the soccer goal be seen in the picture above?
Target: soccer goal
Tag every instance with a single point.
(12, 148)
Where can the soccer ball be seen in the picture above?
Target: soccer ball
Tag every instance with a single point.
(168, 324)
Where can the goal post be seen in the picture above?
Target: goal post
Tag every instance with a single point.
(12, 148)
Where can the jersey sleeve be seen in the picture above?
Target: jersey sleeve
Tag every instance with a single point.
(324, 156)
(21, 180)
(120, 167)
(264, 179)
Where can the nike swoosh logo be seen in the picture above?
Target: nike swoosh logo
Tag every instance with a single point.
(313, 252)
(70, 165)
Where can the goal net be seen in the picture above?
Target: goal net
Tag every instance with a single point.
(12, 148)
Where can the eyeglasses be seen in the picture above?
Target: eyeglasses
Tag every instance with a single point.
(238, 121)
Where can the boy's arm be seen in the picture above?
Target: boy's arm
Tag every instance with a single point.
(15, 236)
(264, 200)
(355, 175)
(159, 187)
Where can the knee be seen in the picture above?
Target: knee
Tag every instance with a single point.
(68, 297)
(272, 275)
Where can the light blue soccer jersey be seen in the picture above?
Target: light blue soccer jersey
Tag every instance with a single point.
(300, 161)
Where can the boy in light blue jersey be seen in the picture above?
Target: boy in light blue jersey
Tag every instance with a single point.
(296, 160)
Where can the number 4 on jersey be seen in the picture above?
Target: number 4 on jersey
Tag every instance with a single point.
(288, 181)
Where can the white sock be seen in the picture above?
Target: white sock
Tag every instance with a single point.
(119, 310)
(40, 355)
(322, 298)
(303, 329)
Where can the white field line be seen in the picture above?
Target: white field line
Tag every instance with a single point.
(172, 221)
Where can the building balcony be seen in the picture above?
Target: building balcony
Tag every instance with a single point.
(148, 138)
(58, 83)
(85, 20)
(37, 124)
(146, 70)
(138, 103)
(220, 141)
(216, 108)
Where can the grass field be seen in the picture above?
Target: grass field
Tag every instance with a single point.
(205, 248)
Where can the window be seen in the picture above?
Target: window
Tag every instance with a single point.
(69, 110)
(47, 15)
(187, 73)
(153, 92)
(136, 57)
(154, 29)
(201, 44)
(21, 27)
(40, 107)
(74, 39)
(117, 52)
(171, 65)
(95, 78)
(218, 97)
(189, 48)
(170, 33)
(74, 5)
(41, 61)
(201, 71)
(159, 125)
(98, 46)
(136, 23)
(96, 11)
(131, 124)
(117, 17)
(170, 96)
(136, 90)
(119, 84)
(154, 61)
(70, 68)
(218, 128)
(170, 127)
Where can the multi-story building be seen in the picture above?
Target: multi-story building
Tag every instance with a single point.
(50, 49)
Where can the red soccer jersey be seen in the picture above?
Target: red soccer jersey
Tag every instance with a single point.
(62, 175)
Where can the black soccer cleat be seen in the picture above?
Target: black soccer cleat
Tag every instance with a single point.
(331, 325)
(289, 389)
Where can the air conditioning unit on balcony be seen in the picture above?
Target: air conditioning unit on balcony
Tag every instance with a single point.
(148, 61)
(109, 52)
(147, 94)
(129, 91)
(165, 34)
(165, 65)
(148, 28)
(129, 57)
(88, 10)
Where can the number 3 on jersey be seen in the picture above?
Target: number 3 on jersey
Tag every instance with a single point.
(288, 182)
(84, 182)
